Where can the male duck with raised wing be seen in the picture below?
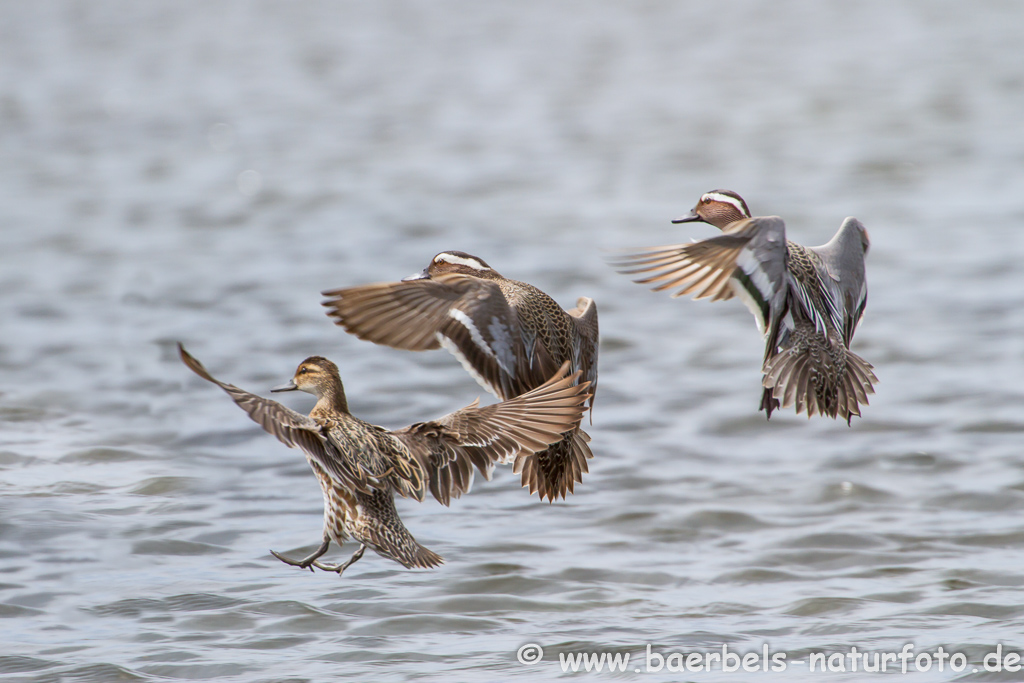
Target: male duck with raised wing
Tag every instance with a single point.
(361, 466)
(807, 301)
(509, 335)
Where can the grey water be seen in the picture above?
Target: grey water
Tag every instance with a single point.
(201, 171)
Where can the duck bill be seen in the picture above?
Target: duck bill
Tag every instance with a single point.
(691, 218)
(287, 386)
(424, 275)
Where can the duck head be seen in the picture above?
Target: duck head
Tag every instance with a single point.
(718, 208)
(318, 376)
(455, 262)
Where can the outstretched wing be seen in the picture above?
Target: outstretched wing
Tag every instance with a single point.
(699, 268)
(466, 315)
(483, 436)
(748, 259)
(293, 429)
(843, 259)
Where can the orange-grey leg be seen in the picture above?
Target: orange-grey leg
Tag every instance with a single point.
(308, 561)
(342, 567)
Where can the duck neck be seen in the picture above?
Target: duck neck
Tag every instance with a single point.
(331, 401)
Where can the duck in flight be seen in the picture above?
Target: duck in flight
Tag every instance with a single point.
(509, 335)
(360, 466)
(807, 301)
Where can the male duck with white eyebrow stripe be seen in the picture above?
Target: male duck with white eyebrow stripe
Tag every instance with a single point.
(509, 335)
(807, 301)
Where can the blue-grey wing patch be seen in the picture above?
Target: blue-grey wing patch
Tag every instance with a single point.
(760, 278)
(843, 259)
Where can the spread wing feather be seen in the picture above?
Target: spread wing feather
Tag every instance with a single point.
(843, 261)
(466, 315)
(477, 436)
(748, 259)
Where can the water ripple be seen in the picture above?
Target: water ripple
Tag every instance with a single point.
(201, 176)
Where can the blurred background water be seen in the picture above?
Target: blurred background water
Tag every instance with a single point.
(200, 171)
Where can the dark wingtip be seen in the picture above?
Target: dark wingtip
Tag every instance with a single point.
(768, 403)
(192, 364)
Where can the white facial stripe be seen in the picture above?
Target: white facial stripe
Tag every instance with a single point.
(458, 260)
(726, 199)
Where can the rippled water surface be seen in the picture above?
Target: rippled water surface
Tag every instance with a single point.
(200, 171)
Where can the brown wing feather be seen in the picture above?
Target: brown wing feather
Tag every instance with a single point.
(553, 472)
(403, 315)
(498, 433)
(424, 314)
(700, 268)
